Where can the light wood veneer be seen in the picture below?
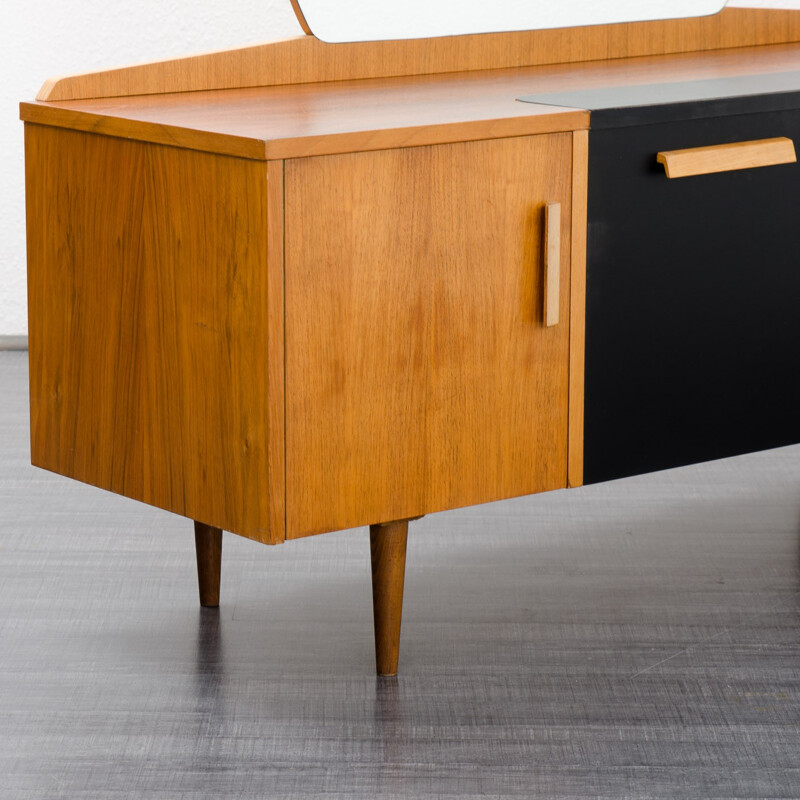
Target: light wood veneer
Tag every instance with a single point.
(419, 372)
(156, 326)
(324, 118)
(307, 60)
(727, 157)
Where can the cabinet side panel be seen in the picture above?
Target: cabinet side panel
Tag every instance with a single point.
(148, 303)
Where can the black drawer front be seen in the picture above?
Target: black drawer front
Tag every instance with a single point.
(693, 300)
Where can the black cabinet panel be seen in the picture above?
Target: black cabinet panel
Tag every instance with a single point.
(693, 300)
(645, 104)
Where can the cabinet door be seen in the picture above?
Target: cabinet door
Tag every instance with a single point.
(419, 373)
(693, 291)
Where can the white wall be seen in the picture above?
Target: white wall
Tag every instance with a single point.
(43, 38)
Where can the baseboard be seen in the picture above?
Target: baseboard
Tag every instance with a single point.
(13, 342)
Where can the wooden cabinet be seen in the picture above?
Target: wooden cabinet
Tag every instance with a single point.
(304, 345)
(419, 373)
(373, 320)
(314, 299)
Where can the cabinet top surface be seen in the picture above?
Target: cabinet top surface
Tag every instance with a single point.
(370, 114)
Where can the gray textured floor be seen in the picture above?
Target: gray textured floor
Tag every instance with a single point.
(638, 639)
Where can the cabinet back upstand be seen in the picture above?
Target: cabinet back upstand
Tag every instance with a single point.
(298, 288)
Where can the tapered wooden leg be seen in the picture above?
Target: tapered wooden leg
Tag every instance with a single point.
(388, 547)
(208, 543)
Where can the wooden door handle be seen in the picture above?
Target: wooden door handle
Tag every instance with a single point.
(552, 262)
(727, 157)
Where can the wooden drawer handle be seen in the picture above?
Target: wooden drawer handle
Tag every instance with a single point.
(552, 262)
(727, 157)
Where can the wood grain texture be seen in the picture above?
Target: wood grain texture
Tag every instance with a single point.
(727, 157)
(552, 263)
(577, 305)
(301, 18)
(307, 60)
(117, 123)
(419, 373)
(149, 295)
(276, 407)
(208, 548)
(387, 544)
(293, 122)
(348, 116)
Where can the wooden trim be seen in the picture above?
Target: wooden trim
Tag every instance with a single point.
(298, 12)
(307, 60)
(356, 141)
(727, 157)
(276, 425)
(552, 263)
(577, 310)
(157, 133)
